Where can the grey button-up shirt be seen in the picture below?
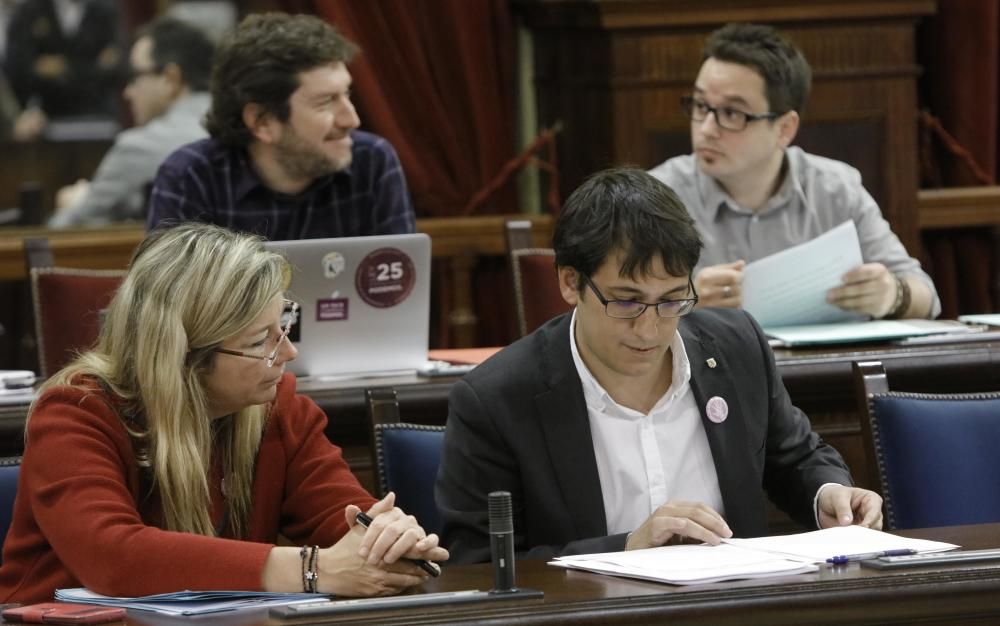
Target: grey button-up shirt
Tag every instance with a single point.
(816, 195)
(122, 181)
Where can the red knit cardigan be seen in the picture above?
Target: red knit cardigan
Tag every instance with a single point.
(80, 519)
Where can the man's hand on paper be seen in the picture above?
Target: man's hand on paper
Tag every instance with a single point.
(720, 285)
(844, 506)
(869, 288)
(674, 522)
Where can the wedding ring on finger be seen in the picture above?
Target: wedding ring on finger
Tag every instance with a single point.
(727, 291)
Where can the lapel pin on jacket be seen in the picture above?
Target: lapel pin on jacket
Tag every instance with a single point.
(711, 363)
(717, 409)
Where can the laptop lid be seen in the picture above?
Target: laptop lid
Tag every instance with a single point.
(365, 303)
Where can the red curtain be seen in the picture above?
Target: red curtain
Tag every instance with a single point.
(960, 53)
(435, 78)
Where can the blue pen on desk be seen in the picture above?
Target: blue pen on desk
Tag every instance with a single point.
(366, 521)
(848, 558)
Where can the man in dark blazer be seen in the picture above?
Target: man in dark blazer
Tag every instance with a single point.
(619, 426)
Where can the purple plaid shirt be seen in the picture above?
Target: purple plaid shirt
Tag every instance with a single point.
(209, 182)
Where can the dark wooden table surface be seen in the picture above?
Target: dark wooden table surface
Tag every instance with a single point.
(964, 594)
(818, 380)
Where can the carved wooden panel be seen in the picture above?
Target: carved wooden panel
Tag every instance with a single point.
(614, 71)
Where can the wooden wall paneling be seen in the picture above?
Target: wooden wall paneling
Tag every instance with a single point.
(646, 53)
(458, 246)
(52, 164)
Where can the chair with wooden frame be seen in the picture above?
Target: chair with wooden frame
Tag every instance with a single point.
(935, 454)
(405, 457)
(537, 298)
(68, 305)
(10, 470)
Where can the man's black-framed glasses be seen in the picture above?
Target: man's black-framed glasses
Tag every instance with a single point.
(631, 309)
(728, 118)
(289, 314)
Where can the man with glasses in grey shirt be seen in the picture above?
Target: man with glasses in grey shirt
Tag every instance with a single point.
(752, 194)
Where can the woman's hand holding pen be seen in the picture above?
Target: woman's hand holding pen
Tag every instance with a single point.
(393, 535)
(393, 539)
(344, 573)
(377, 561)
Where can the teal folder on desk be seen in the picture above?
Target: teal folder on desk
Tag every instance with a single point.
(993, 319)
(862, 332)
(189, 603)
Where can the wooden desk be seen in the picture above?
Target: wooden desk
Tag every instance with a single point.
(958, 207)
(965, 594)
(457, 245)
(819, 382)
(845, 595)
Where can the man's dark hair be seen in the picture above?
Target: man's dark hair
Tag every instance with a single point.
(260, 63)
(187, 46)
(626, 210)
(786, 73)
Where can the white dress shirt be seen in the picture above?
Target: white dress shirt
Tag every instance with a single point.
(646, 460)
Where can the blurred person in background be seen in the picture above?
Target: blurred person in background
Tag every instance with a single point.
(169, 68)
(64, 58)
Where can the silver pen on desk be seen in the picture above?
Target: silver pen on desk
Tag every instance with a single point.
(440, 596)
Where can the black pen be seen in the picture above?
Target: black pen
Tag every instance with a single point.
(366, 521)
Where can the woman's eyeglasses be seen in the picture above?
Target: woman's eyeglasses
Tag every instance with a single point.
(289, 315)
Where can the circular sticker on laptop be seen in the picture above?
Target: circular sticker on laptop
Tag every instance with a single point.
(385, 277)
(333, 264)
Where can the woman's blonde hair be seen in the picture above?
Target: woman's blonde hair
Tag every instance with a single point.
(188, 289)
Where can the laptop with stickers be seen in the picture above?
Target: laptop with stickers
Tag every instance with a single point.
(365, 304)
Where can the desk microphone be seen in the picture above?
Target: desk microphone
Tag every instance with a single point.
(502, 542)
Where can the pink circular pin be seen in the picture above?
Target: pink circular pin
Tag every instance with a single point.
(717, 409)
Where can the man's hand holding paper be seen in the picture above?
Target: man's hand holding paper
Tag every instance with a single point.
(720, 285)
(791, 286)
(870, 289)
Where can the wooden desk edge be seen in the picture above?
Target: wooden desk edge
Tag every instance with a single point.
(111, 247)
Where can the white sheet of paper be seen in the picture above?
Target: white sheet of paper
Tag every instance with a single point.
(745, 558)
(687, 564)
(992, 319)
(819, 545)
(789, 287)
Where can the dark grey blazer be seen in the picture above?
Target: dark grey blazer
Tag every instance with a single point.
(519, 423)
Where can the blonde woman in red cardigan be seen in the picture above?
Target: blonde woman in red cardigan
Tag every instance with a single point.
(173, 454)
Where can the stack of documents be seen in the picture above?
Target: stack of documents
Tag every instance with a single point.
(745, 558)
(189, 603)
(789, 287)
(991, 319)
(786, 294)
(16, 386)
(857, 332)
(687, 565)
